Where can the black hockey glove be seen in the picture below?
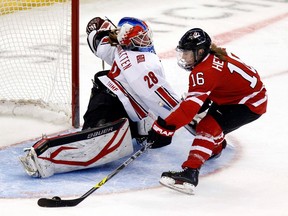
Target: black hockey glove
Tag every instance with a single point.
(160, 133)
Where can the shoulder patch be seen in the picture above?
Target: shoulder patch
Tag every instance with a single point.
(140, 58)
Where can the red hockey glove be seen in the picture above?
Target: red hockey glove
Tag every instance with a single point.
(160, 133)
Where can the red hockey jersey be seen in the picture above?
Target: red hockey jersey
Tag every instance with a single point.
(223, 82)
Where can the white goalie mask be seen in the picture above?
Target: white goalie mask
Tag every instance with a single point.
(134, 34)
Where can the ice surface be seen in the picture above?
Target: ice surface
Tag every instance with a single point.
(252, 182)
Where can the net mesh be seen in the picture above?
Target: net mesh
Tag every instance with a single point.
(35, 54)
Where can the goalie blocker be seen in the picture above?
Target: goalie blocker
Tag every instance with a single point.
(80, 150)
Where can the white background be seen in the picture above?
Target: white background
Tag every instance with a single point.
(256, 182)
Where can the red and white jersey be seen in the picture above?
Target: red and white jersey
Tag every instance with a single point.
(223, 82)
(138, 79)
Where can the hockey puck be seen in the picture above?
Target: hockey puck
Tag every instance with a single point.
(56, 198)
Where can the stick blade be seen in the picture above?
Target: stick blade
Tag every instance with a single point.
(58, 202)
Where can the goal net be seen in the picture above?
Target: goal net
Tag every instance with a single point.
(39, 46)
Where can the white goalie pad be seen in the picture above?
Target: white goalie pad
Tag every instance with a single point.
(81, 150)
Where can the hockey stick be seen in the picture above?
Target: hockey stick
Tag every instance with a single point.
(103, 62)
(110, 21)
(58, 202)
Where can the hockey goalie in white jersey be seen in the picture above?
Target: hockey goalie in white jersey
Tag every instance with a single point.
(121, 104)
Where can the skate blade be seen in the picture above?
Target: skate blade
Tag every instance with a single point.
(186, 188)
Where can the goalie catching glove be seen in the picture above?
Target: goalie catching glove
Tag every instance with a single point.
(160, 134)
(98, 24)
(100, 30)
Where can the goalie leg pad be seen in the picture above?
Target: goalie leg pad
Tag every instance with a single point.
(36, 167)
(81, 150)
(29, 164)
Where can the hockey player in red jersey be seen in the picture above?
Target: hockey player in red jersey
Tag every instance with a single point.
(221, 82)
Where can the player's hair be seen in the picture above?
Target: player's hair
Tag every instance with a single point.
(218, 51)
(113, 37)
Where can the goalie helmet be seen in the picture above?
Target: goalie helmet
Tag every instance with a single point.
(134, 34)
(192, 48)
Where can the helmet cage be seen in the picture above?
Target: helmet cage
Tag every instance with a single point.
(142, 39)
(185, 58)
(134, 33)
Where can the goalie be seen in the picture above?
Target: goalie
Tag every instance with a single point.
(123, 99)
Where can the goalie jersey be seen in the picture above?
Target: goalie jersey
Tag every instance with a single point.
(137, 78)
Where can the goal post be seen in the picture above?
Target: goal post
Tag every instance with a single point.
(75, 63)
(39, 58)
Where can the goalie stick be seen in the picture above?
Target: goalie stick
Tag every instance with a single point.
(58, 202)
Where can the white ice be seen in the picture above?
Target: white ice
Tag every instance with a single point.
(256, 183)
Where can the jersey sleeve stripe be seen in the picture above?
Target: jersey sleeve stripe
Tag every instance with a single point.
(197, 94)
(196, 100)
(168, 99)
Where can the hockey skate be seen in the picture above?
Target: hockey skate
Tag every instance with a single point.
(184, 181)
